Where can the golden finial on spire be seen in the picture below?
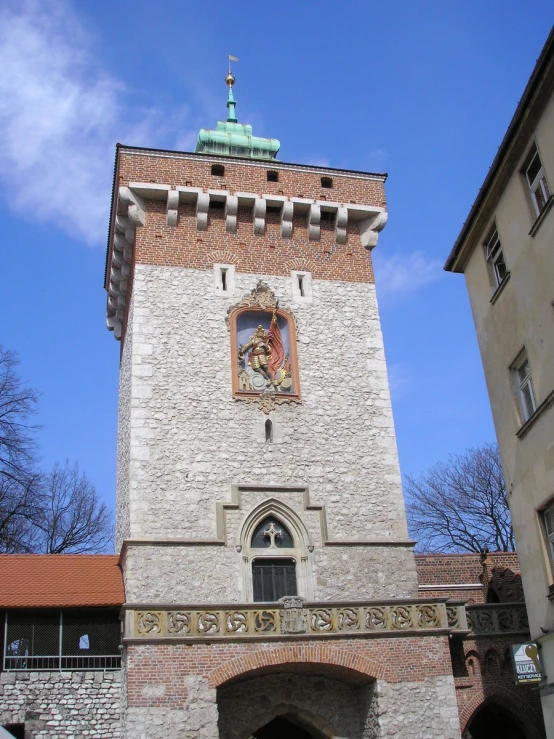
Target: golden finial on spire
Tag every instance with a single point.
(230, 80)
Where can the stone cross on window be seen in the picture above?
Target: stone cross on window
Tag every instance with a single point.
(272, 532)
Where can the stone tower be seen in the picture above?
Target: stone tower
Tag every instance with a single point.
(270, 583)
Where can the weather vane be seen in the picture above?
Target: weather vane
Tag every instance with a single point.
(230, 80)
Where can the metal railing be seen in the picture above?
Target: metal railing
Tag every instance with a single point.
(56, 663)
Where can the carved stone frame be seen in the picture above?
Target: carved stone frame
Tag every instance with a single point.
(301, 553)
(263, 299)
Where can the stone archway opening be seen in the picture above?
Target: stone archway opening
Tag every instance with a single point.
(295, 704)
(493, 721)
(287, 726)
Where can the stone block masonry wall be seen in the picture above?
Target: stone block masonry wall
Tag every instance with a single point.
(124, 437)
(190, 440)
(62, 704)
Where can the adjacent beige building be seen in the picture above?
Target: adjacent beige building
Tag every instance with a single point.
(506, 251)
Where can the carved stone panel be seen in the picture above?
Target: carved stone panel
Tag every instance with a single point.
(294, 617)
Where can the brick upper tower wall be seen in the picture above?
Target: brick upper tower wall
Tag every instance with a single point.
(294, 180)
(185, 246)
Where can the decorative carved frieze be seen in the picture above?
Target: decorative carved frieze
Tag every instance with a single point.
(497, 618)
(293, 616)
(290, 616)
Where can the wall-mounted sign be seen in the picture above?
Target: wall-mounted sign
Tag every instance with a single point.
(527, 665)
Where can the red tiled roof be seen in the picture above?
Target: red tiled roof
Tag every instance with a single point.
(60, 580)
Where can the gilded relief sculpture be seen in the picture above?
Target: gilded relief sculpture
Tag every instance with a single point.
(264, 365)
(263, 337)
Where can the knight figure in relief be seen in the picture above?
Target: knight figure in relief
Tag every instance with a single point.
(264, 357)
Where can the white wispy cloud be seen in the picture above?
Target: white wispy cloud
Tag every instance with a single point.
(316, 161)
(401, 274)
(60, 117)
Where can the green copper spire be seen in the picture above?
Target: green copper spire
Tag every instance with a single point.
(234, 139)
(231, 104)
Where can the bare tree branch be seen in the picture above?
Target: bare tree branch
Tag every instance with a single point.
(461, 505)
(71, 517)
(17, 406)
(53, 513)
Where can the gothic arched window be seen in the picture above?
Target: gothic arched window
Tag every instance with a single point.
(275, 553)
(273, 576)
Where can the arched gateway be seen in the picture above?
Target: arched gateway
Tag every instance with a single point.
(286, 725)
(297, 704)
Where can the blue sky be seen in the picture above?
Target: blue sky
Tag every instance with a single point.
(421, 90)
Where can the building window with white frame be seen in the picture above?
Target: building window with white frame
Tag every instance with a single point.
(523, 384)
(536, 180)
(495, 258)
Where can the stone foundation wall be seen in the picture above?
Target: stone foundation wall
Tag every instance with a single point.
(62, 704)
(185, 702)
(214, 574)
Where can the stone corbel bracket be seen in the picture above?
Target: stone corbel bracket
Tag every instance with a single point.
(341, 221)
(172, 207)
(314, 222)
(130, 214)
(370, 228)
(231, 211)
(371, 218)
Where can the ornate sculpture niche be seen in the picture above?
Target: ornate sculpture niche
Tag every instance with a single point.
(263, 350)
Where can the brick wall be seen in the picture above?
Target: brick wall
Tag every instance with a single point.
(408, 659)
(487, 673)
(178, 689)
(461, 569)
(194, 170)
(183, 245)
